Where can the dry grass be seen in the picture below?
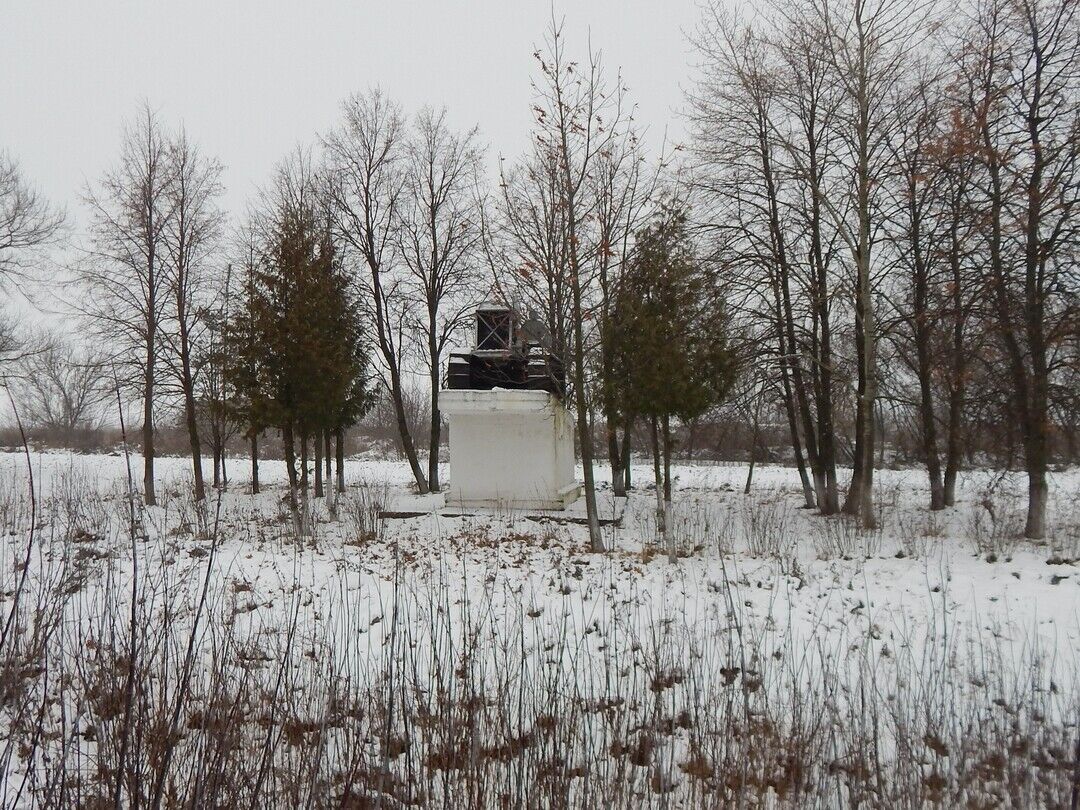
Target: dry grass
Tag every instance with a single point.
(170, 687)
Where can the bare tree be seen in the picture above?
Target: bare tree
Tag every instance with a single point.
(741, 174)
(366, 178)
(578, 119)
(811, 101)
(123, 287)
(191, 239)
(27, 221)
(921, 251)
(868, 44)
(60, 388)
(439, 237)
(793, 126)
(1020, 75)
(762, 95)
(525, 243)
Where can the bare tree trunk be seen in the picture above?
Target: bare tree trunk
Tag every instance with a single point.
(669, 522)
(149, 498)
(289, 446)
(860, 494)
(954, 448)
(189, 412)
(957, 360)
(829, 497)
(753, 462)
(654, 432)
(585, 444)
(340, 456)
(628, 428)
(305, 500)
(317, 441)
(435, 435)
(880, 432)
(254, 463)
(217, 448)
(790, 368)
(798, 389)
(854, 492)
(407, 446)
(793, 428)
(864, 317)
(922, 333)
(596, 541)
(1038, 495)
(328, 454)
(618, 480)
(754, 438)
(929, 431)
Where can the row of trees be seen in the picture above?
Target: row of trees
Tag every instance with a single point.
(384, 238)
(877, 210)
(375, 245)
(593, 235)
(894, 198)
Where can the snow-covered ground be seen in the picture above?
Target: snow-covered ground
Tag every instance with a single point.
(934, 608)
(964, 564)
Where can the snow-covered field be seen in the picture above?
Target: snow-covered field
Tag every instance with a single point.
(783, 659)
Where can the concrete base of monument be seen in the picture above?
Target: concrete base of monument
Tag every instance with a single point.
(403, 506)
(564, 499)
(509, 449)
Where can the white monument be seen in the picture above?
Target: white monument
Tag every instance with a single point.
(511, 438)
(509, 448)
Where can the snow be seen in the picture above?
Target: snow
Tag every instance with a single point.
(816, 591)
(1017, 589)
(803, 587)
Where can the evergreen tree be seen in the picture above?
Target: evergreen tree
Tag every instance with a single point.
(299, 359)
(669, 339)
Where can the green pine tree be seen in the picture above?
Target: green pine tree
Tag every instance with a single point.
(668, 335)
(298, 355)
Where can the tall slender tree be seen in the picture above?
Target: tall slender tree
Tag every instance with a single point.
(123, 286)
(191, 238)
(578, 119)
(365, 186)
(439, 238)
(1019, 76)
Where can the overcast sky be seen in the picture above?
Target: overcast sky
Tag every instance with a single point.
(250, 79)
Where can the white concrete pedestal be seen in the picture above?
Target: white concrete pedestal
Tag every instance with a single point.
(509, 449)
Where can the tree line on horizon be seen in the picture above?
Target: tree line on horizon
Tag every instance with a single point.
(875, 210)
